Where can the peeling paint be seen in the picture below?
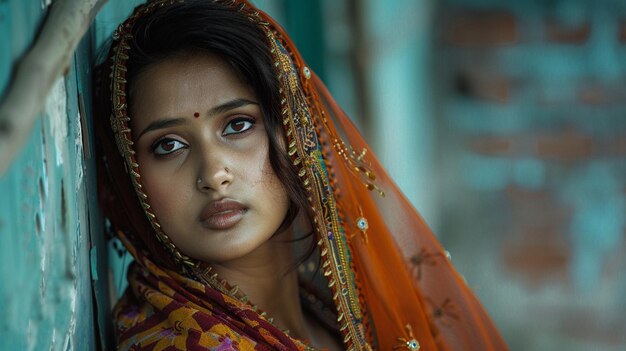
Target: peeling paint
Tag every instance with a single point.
(31, 335)
(53, 339)
(56, 109)
(44, 254)
(78, 148)
(67, 344)
(45, 4)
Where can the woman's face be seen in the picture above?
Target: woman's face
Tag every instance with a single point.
(202, 149)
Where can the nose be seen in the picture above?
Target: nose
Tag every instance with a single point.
(213, 173)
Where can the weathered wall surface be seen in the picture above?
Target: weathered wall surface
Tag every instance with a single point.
(45, 289)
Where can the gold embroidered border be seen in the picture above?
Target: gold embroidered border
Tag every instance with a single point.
(305, 152)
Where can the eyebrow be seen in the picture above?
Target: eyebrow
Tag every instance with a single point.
(170, 122)
(231, 105)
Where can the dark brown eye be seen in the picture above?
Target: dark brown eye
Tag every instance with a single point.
(238, 125)
(167, 146)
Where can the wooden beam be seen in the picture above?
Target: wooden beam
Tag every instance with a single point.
(35, 74)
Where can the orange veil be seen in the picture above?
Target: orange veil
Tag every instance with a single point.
(392, 285)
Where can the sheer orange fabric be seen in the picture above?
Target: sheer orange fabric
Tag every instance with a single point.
(391, 283)
(407, 287)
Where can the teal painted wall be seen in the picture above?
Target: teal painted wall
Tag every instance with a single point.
(45, 295)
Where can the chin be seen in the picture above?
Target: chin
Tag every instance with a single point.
(226, 254)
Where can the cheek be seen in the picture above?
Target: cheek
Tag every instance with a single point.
(165, 203)
(277, 189)
(264, 183)
(269, 181)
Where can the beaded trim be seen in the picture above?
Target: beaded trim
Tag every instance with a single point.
(306, 155)
(120, 123)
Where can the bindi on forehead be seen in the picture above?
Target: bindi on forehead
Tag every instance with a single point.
(196, 115)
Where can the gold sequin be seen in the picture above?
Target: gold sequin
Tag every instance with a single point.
(409, 343)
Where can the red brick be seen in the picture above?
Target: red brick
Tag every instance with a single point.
(601, 94)
(536, 248)
(484, 86)
(535, 211)
(537, 262)
(619, 145)
(482, 28)
(491, 145)
(622, 32)
(516, 194)
(558, 32)
(565, 146)
(592, 324)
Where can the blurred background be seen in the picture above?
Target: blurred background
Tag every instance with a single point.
(503, 121)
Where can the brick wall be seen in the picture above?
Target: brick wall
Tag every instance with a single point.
(531, 116)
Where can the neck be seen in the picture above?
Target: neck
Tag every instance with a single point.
(269, 279)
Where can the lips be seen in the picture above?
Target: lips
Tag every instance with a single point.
(222, 214)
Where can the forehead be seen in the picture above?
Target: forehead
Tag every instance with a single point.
(178, 84)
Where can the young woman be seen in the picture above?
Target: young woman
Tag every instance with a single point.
(257, 216)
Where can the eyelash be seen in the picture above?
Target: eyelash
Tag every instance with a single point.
(251, 121)
(162, 141)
